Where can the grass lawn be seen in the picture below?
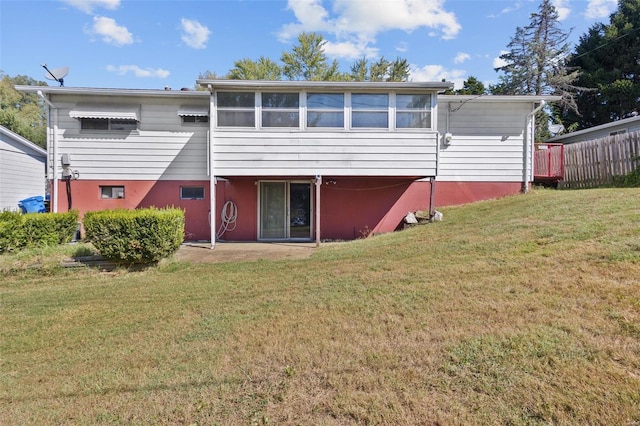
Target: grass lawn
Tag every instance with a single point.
(524, 310)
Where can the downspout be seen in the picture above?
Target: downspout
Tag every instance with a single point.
(212, 175)
(528, 149)
(53, 161)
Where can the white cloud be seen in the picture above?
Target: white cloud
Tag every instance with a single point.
(461, 57)
(499, 62)
(349, 50)
(517, 5)
(597, 9)
(438, 73)
(563, 9)
(195, 34)
(402, 47)
(110, 31)
(137, 71)
(87, 6)
(358, 22)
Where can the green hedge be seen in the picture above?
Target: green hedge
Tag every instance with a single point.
(135, 236)
(19, 231)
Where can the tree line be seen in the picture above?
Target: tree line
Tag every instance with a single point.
(598, 81)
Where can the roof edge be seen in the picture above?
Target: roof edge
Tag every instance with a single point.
(303, 84)
(24, 141)
(111, 92)
(499, 98)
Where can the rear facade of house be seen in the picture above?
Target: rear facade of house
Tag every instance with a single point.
(287, 161)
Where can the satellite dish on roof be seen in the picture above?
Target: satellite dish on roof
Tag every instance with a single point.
(57, 74)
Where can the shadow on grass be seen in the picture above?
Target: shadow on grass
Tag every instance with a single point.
(85, 256)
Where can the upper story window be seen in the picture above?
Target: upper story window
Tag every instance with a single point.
(107, 116)
(194, 114)
(236, 109)
(108, 124)
(370, 110)
(280, 110)
(331, 110)
(325, 110)
(413, 111)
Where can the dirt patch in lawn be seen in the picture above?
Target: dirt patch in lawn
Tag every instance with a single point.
(234, 252)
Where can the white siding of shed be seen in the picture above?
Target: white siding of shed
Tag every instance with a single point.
(308, 153)
(488, 141)
(162, 149)
(21, 172)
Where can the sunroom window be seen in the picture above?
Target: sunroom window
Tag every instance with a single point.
(236, 109)
(370, 110)
(280, 110)
(325, 110)
(413, 111)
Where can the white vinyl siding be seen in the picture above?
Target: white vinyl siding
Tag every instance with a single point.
(487, 144)
(22, 172)
(161, 149)
(325, 153)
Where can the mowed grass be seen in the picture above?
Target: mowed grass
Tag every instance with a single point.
(524, 310)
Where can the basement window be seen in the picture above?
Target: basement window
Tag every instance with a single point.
(192, 193)
(111, 192)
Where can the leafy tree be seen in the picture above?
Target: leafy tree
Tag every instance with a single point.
(380, 70)
(263, 69)
(207, 75)
(23, 113)
(307, 60)
(609, 59)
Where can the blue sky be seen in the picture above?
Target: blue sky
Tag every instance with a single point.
(150, 44)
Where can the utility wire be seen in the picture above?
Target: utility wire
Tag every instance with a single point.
(605, 44)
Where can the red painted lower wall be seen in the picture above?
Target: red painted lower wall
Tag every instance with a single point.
(350, 207)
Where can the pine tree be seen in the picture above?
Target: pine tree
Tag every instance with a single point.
(536, 63)
(609, 60)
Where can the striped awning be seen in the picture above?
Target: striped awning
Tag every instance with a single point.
(194, 110)
(115, 112)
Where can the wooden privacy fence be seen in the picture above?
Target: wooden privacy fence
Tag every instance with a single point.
(594, 163)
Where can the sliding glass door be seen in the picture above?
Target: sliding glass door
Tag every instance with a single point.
(285, 210)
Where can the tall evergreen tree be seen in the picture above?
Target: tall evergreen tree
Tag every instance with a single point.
(608, 56)
(536, 62)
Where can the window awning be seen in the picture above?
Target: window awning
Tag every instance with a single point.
(106, 111)
(193, 110)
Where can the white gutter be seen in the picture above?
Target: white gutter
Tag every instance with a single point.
(54, 142)
(529, 146)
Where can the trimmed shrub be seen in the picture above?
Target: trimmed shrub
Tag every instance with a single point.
(19, 231)
(135, 236)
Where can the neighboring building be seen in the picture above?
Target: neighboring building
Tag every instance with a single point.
(626, 125)
(22, 169)
(290, 160)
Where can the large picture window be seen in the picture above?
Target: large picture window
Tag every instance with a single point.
(370, 110)
(280, 110)
(236, 109)
(325, 110)
(413, 111)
